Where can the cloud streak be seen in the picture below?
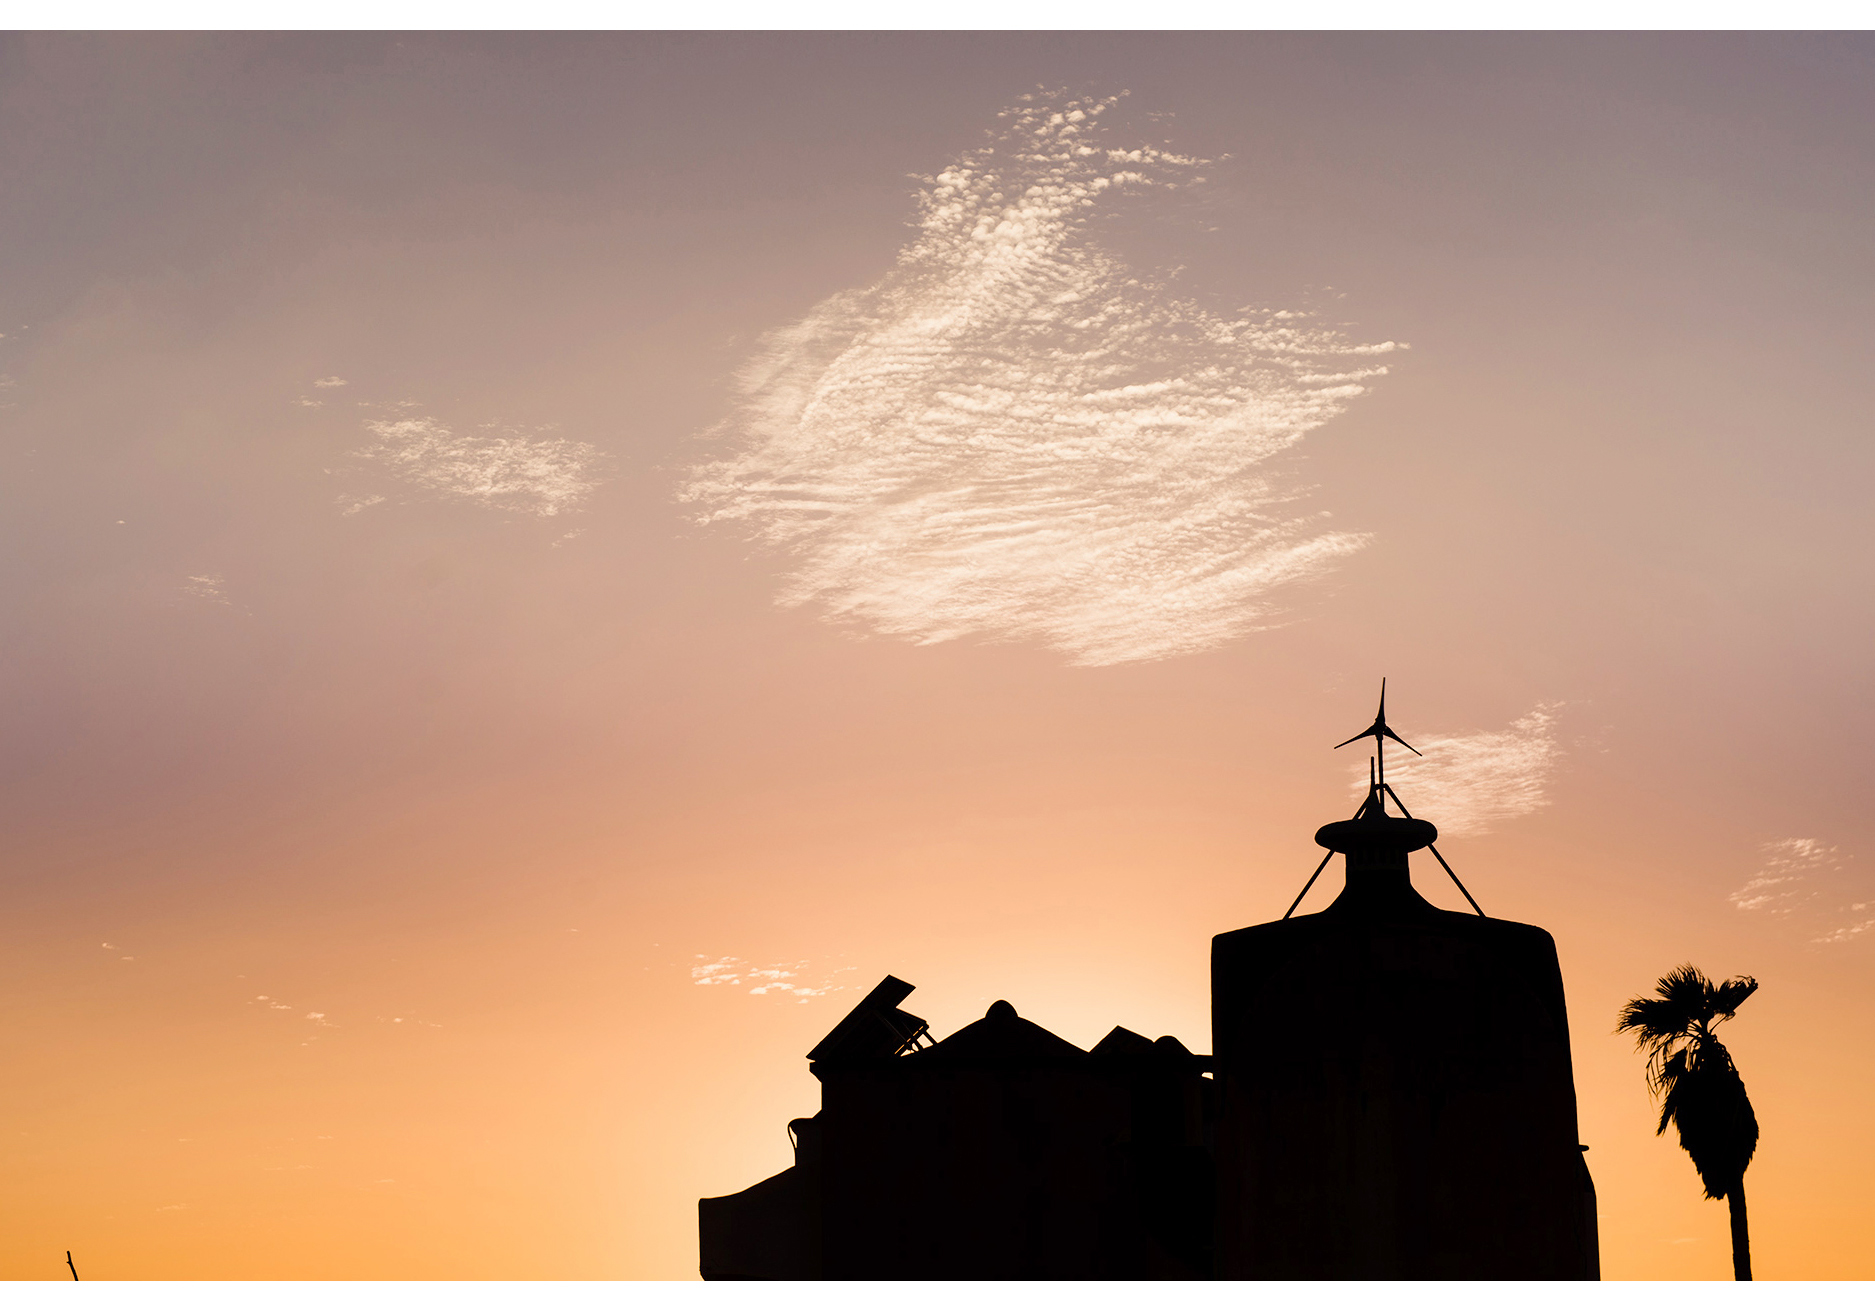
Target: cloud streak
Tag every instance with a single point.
(503, 468)
(1013, 435)
(1853, 929)
(1472, 783)
(207, 587)
(1789, 865)
(762, 980)
(1804, 874)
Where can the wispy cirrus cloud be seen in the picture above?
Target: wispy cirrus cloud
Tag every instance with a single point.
(317, 1019)
(1853, 928)
(1807, 875)
(1786, 877)
(761, 980)
(333, 381)
(502, 466)
(207, 587)
(505, 468)
(1014, 435)
(1471, 783)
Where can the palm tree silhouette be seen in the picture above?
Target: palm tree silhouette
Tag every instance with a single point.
(1701, 1093)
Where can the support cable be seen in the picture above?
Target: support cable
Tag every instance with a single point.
(1435, 852)
(1461, 887)
(1306, 886)
(1325, 859)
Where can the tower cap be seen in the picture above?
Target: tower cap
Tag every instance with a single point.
(1377, 832)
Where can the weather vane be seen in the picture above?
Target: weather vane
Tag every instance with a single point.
(1380, 733)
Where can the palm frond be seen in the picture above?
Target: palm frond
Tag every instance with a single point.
(1653, 1019)
(1729, 996)
(1681, 1002)
(1689, 991)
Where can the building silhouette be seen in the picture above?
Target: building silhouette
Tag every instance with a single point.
(1391, 1098)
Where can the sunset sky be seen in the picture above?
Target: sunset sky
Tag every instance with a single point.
(538, 569)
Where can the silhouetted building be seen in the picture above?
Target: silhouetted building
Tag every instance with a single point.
(1003, 1152)
(1397, 1101)
(1391, 1098)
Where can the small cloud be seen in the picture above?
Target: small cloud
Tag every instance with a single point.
(176, 1206)
(1761, 893)
(309, 402)
(770, 977)
(1781, 883)
(334, 381)
(727, 970)
(1848, 931)
(206, 587)
(1804, 880)
(504, 468)
(108, 946)
(353, 504)
(764, 980)
(1471, 783)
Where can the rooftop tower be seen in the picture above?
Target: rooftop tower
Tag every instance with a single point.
(1396, 1099)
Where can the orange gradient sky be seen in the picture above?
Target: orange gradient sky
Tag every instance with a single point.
(538, 569)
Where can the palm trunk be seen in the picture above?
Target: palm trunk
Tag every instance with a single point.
(1741, 1236)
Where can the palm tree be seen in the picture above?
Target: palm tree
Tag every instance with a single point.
(1700, 1091)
